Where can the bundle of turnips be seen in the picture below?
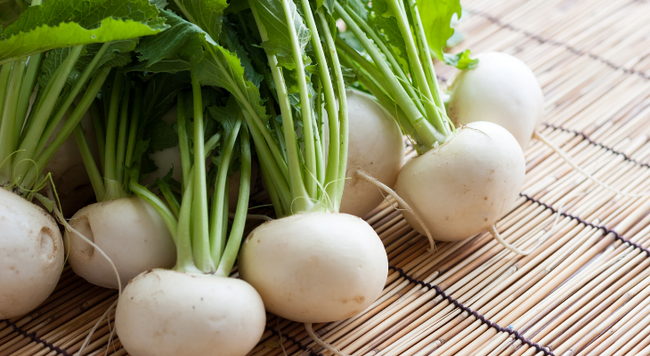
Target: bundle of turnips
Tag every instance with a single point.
(195, 308)
(270, 79)
(312, 264)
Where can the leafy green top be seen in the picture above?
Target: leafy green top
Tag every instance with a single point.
(58, 24)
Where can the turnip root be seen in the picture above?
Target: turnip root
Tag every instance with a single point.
(315, 267)
(465, 185)
(31, 255)
(376, 146)
(129, 231)
(164, 312)
(501, 89)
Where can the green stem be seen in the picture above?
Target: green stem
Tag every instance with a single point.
(334, 148)
(5, 146)
(320, 137)
(417, 72)
(111, 128)
(219, 219)
(255, 124)
(342, 140)
(133, 131)
(200, 222)
(95, 176)
(397, 69)
(211, 144)
(367, 66)
(74, 119)
(423, 48)
(239, 222)
(184, 256)
(165, 213)
(41, 117)
(386, 102)
(100, 133)
(8, 119)
(33, 66)
(300, 199)
(79, 85)
(170, 197)
(183, 141)
(305, 101)
(5, 74)
(427, 133)
(120, 153)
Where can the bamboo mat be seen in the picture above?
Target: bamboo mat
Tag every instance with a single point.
(586, 291)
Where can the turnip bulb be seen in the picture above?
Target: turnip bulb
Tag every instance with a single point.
(501, 89)
(31, 255)
(315, 267)
(465, 185)
(164, 312)
(376, 146)
(129, 231)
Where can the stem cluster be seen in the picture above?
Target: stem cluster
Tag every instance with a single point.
(27, 140)
(316, 172)
(409, 91)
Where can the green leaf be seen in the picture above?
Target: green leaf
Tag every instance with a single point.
(360, 7)
(389, 31)
(461, 60)
(164, 66)
(161, 92)
(237, 6)
(436, 19)
(226, 115)
(222, 68)
(67, 35)
(183, 40)
(77, 22)
(207, 14)
(329, 5)
(117, 55)
(274, 20)
(232, 40)
(161, 135)
(88, 14)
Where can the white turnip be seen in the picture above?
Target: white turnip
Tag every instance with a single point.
(312, 264)
(465, 185)
(126, 228)
(315, 267)
(196, 309)
(501, 89)
(180, 313)
(129, 231)
(31, 255)
(376, 146)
